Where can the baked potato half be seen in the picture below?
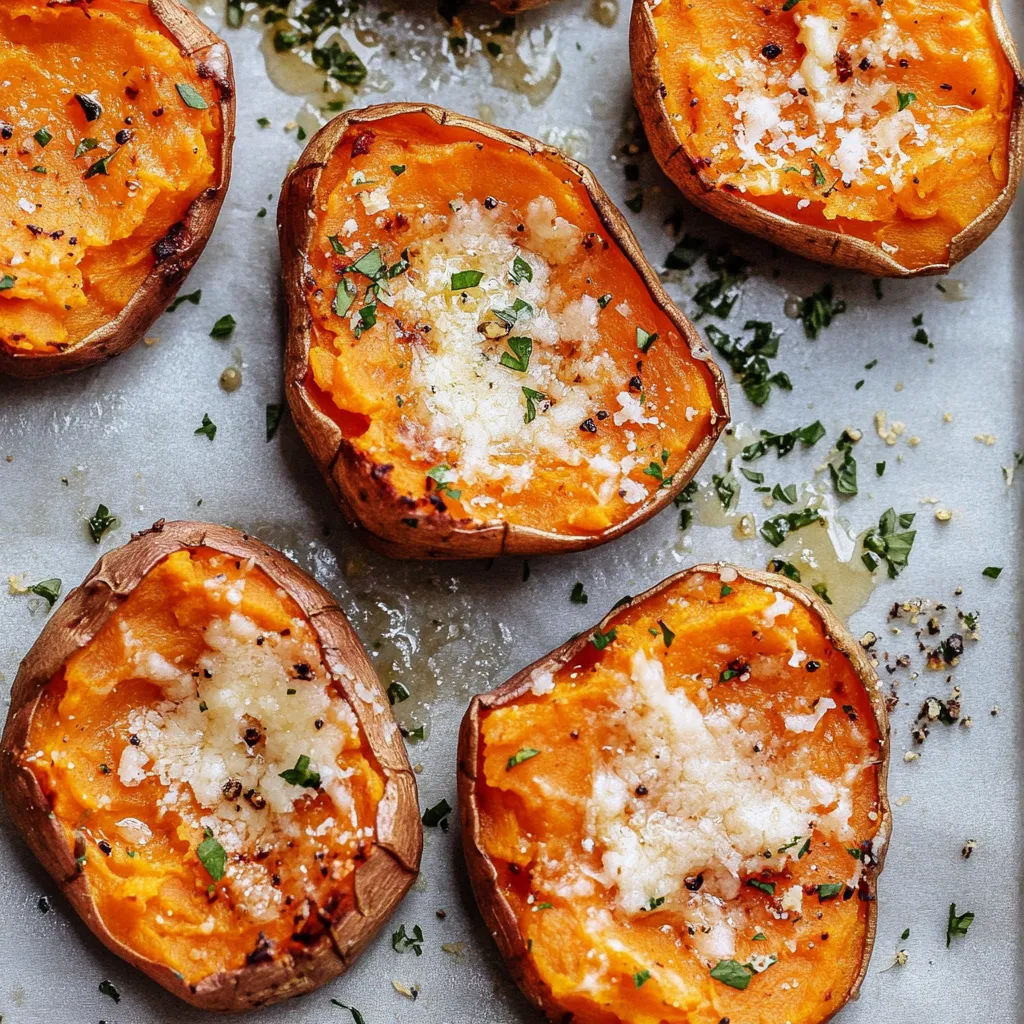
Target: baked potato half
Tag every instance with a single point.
(883, 137)
(685, 798)
(200, 754)
(479, 358)
(117, 128)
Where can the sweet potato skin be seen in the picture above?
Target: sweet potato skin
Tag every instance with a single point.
(361, 488)
(498, 913)
(381, 880)
(184, 241)
(813, 242)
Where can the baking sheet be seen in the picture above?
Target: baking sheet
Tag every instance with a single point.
(122, 434)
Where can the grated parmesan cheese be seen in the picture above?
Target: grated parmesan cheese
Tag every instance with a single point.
(712, 805)
(782, 119)
(465, 408)
(223, 734)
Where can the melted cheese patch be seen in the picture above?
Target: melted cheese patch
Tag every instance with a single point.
(712, 805)
(469, 407)
(252, 705)
(781, 120)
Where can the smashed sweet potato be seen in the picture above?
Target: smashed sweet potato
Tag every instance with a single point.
(883, 137)
(116, 134)
(479, 358)
(200, 754)
(678, 816)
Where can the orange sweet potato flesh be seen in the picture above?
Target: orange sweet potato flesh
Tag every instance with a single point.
(157, 898)
(75, 247)
(536, 810)
(363, 383)
(950, 68)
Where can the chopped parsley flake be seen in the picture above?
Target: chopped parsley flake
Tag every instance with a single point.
(776, 529)
(48, 590)
(357, 1017)
(273, 418)
(640, 977)
(341, 65)
(784, 569)
(732, 973)
(442, 476)
(402, 941)
(519, 358)
(437, 815)
(397, 693)
(719, 295)
(685, 254)
(300, 775)
(521, 271)
(101, 165)
(750, 361)
(818, 310)
(367, 319)
(602, 640)
(532, 397)
(578, 595)
(645, 340)
(190, 96)
(891, 542)
(192, 297)
(725, 488)
(224, 327)
(463, 279)
(520, 756)
(992, 571)
(208, 427)
(666, 634)
(844, 475)
(212, 856)
(371, 263)
(99, 522)
(957, 924)
(344, 296)
(783, 443)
